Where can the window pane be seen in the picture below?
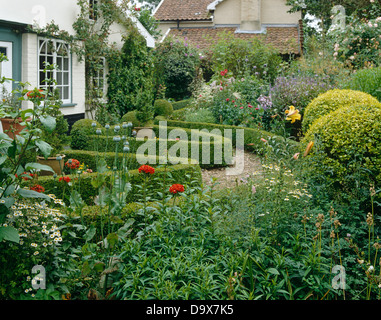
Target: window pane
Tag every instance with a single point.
(42, 78)
(59, 63)
(66, 78)
(66, 93)
(66, 64)
(59, 78)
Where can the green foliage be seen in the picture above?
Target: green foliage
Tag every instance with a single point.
(333, 100)
(366, 80)
(131, 117)
(176, 66)
(346, 146)
(79, 132)
(131, 77)
(181, 104)
(199, 115)
(244, 58)
(163, 108)
(89, 190)
(356, 45)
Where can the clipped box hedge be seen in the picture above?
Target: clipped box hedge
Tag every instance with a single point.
(181, 173)
(252, 136)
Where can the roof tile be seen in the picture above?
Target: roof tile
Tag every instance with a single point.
(183, 10)
(284, 39)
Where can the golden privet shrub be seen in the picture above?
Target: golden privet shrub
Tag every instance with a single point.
(347, 144)
(333, 100)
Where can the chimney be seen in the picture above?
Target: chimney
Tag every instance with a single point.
(250, 15)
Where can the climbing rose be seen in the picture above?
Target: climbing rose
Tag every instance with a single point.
(175, 188)
(146, 169)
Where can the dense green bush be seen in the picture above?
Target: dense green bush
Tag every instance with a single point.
(366, 80)
(207, 146)
(181, 104)
(131, 117)
(176, 63)
(199, 115)
(346, 146)
(163, 108)
(88, 192)
(333, 100)
(79, 132)
(242, 58)
(130, 78)
(252, 136)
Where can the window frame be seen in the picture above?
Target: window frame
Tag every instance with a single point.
(54, 57)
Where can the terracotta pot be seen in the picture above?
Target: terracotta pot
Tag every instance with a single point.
(12, 127)
(52, 162)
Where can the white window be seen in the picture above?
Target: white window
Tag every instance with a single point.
(55, 52)
(93, 10)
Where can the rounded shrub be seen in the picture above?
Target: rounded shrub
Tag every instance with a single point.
(163, 108)
(346, 147)
(131, 117)
(333, 100)
(80, 131)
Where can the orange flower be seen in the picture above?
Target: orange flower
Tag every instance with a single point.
(146, 169)
(175, 188)
(37, 188)
(66, 179)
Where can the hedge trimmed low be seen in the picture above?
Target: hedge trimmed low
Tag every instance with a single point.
(252, 136)
(160, 181)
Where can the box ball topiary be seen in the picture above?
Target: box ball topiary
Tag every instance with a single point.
(131, 117)
(79, 132)
(333, 100)
(163, 108)
(346, 146)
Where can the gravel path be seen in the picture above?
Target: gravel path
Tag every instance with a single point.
(251, 164)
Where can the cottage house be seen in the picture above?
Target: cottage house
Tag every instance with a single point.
(27, 51)
(203, 21)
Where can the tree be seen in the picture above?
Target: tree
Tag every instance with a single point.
(322, 9)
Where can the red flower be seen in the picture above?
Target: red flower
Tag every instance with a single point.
(227, 99)
(175, 188)
(66, 179)
(223, 73)
(146, 169)
(37, 188)
(72, 164)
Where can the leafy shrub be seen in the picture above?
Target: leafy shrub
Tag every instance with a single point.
(79, 132)
(356, 45)
(130, 78)
(242, 58)
(332, 100)
(346, 145)
(163, 108)
(366, 80)
(131, 117)
(179, 114)
(296, 91)
(176, 63)
(89, 191)
(199, 115)
(181, 104)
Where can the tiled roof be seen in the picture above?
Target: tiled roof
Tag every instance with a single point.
(284, 39)
(183, 10)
